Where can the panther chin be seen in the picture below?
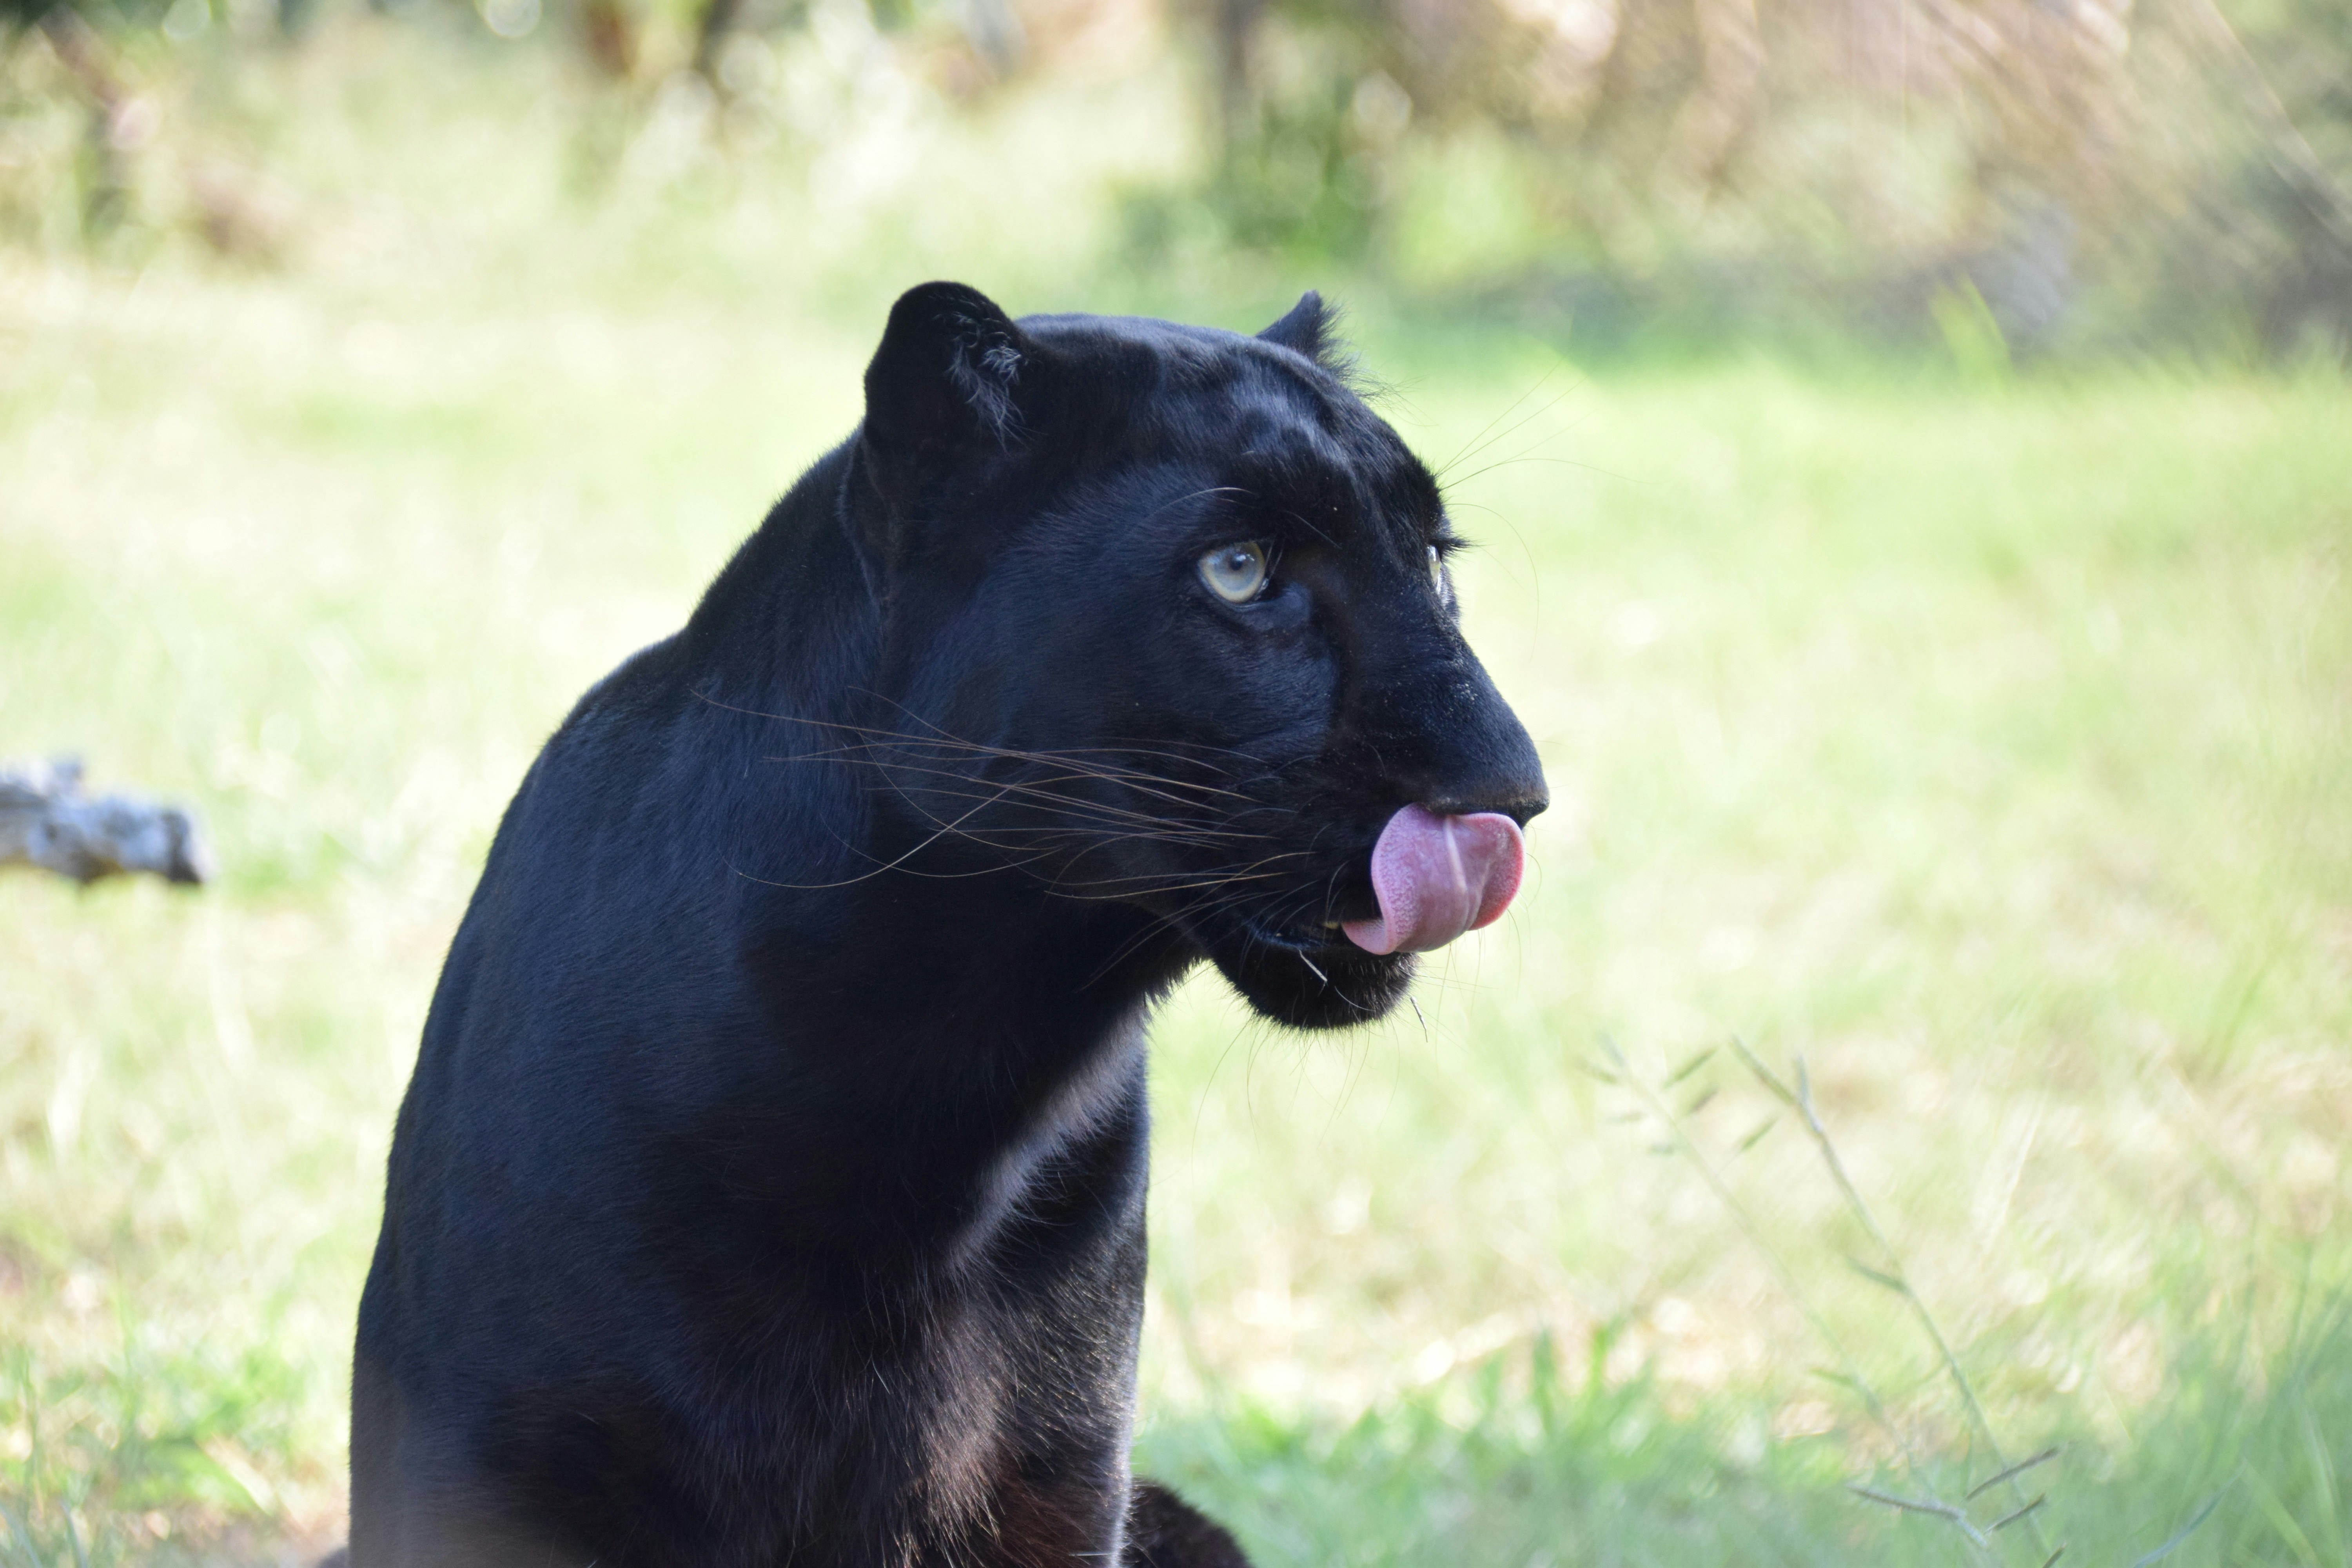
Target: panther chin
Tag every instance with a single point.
(1326, 986)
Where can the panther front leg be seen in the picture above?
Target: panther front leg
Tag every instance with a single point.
(1163, 1530)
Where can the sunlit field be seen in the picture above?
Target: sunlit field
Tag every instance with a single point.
(1924, 1041)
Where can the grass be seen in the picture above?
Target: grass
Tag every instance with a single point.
(1979, 740)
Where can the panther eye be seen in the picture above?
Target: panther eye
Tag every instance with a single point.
(1437, 571)
(1235, 572)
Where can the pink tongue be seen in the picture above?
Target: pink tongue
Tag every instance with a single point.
(1437, 876)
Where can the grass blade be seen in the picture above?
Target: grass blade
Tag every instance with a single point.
(2016, 1469)
(2170, 1547)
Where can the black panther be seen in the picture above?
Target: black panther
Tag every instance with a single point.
(771, 1188)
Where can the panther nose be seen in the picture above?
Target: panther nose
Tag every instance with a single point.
(1447, 742)
(1478, 758)
(1520, 799)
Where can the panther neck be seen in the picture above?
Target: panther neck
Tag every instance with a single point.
(918, 1015)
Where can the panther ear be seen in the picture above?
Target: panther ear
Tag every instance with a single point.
(1304, 329)
(947, 375)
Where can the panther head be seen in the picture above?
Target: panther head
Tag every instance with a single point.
(1167, 626)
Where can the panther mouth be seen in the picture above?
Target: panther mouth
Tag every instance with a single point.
(1324, 945)
(1429, 878)
(1437, 876)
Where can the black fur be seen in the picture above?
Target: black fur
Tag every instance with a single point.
(770, 1189)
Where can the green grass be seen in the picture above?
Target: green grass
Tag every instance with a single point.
(1980, 742)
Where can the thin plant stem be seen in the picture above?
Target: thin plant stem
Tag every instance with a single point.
(1847, 1366)
(1800, 1099)
(1931, 1506)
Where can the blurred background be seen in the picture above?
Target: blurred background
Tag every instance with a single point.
(1911, 454)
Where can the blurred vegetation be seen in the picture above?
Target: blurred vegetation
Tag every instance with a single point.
(1971, 727)
(2063, 175)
